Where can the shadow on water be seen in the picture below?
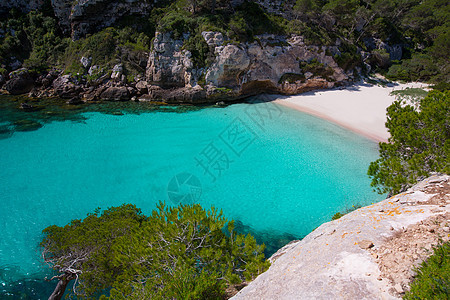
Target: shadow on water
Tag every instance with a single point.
(12, 286)
(15, 116)
(5, 132)
(30, 287)
(274, 240)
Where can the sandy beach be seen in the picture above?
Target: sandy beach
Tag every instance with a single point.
(360, 108)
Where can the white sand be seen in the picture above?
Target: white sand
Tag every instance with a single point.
(360, 108)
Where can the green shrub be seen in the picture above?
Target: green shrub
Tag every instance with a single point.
(316, 68)
(433, 276)
(32, 38)
(410, 94)
(441, 86)
(339, 215)
(199, 49)
(176, 22)
(421, 67)
(349, 57)
(107, 48)
(182, 252)
(419, 144)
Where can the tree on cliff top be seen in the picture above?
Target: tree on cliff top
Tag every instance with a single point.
(177, 252)
(419, 143)
(81, 250)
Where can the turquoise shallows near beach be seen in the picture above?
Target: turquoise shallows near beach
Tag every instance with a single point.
(279, 172)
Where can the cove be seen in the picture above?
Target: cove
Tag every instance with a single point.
(278, 172)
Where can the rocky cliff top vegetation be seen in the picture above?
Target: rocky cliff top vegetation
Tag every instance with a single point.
(406, 40)
(183, 252)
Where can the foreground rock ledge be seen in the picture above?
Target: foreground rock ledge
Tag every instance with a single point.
(366, 254)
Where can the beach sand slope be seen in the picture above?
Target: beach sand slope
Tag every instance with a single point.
(360, 108)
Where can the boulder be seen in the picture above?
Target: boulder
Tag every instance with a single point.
(117, 72)
(86, 61)
(141, 87)
(95, 70)
(115, 94)
(213, 39)
(195, 95)
(93, 93)
(47, 81)
(20, 82)
(65, 88)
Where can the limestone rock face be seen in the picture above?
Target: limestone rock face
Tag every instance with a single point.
(117, 72)
(23, 5)
(62, 10)
(261, 65)
(274, 6)
(272, 64)
(85, 16)
(395, 50)
(366, 254)
(226, 71)
(168, 65)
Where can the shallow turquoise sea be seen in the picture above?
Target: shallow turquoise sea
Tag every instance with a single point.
(278, 172)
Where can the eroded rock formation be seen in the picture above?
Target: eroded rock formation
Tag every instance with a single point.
(270, 64)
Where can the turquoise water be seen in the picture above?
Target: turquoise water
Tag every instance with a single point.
(279, 172)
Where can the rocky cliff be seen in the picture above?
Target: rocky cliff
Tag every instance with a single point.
(171, 70)
(23, 5)
(366, 254)
(87, 16)
(84, 16)
(270, 64)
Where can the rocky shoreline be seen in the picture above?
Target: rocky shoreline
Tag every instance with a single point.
(271, 64)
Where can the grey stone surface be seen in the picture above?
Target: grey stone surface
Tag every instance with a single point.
(86, 61)
(330, 263)
(168, 65)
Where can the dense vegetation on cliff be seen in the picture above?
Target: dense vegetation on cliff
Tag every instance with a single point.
(407, 40)
(182, 252)
(433, 276)
(419, 143)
